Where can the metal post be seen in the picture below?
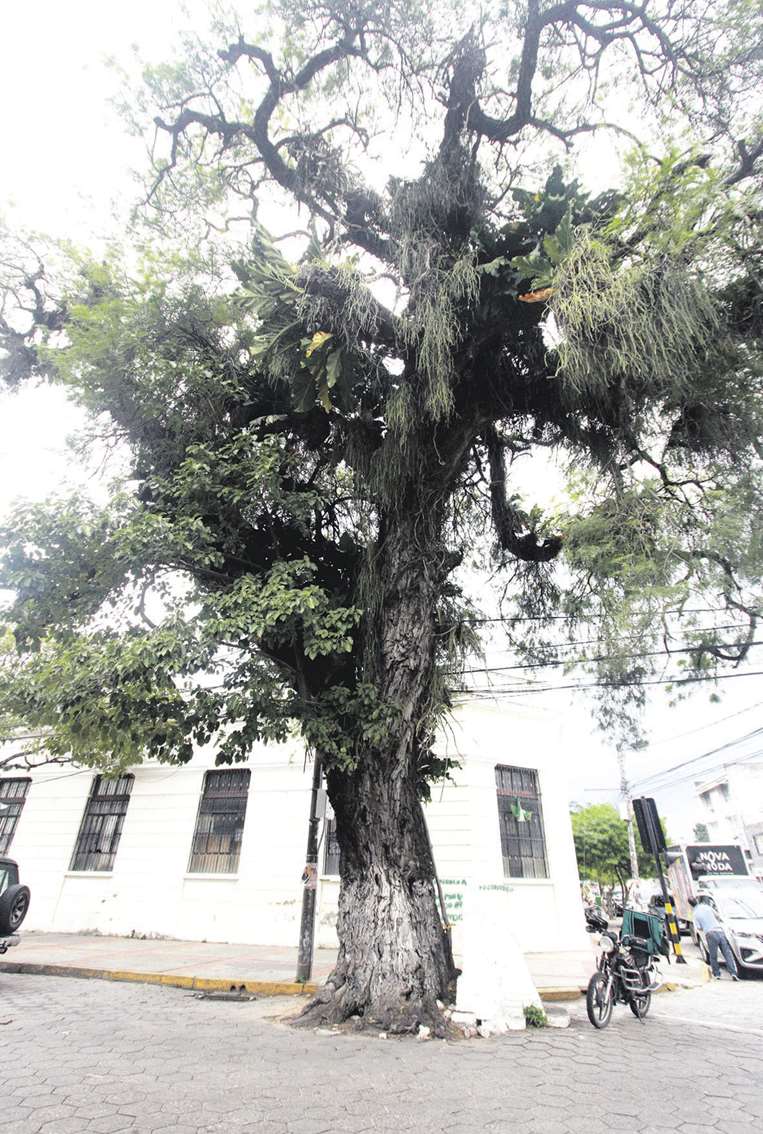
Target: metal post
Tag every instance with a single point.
(626, 794)
(310, 882)
(670, 917)
(653, 838)
(657, 840)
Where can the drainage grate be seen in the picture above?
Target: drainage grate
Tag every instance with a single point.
(235, 992)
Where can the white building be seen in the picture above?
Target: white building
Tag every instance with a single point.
(217, 854)
(732, 808)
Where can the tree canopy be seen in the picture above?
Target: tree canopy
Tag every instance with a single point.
(323, 375)
(601, 845)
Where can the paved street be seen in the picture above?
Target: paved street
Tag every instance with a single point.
(91, 1056)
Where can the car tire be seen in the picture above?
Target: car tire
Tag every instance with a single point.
(14, 906)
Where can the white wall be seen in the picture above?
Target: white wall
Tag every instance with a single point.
(464, 827)
(150, 892)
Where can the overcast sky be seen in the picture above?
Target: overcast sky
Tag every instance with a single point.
(66, 170)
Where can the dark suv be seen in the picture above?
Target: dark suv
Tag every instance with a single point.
(14, 903)
(657, 906)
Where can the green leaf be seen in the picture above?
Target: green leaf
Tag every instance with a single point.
(333, 367)
(493, 267)
(303, 390)
(323, 397)
(317, 341)
(535, 268)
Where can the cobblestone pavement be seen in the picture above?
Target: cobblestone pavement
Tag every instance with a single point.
(89, 1056)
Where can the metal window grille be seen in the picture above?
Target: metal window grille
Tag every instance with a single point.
(12, 797)
(520, 815)
(331, 852)
(101, 827)
(216, 844)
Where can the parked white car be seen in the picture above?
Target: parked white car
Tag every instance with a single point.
(740, 912)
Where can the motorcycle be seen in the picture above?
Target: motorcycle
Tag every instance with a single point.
(595, 922)
(625, 974)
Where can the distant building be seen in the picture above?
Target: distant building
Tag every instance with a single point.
(732, 808)
(200, 852)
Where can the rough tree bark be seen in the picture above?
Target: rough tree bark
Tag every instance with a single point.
(395, 960)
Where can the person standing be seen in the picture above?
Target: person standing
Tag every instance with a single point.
(706, 919)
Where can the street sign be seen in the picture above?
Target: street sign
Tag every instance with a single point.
(649, 826)
(653, 840)
(709, 858)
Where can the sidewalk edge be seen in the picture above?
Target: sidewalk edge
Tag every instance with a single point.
(171, 980)
(206, 984)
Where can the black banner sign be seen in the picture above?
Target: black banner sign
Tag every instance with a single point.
(708, 858)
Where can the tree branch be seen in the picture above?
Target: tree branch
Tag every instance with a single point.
(506, 520)
(359, 206)
(629, 23)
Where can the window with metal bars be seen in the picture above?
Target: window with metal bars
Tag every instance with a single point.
(216, 846)
(331, 852)
(12, 797)
(101, 827)
(520, 815)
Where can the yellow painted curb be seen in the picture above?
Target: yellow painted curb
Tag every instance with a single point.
(557, 994)
(207, 984)
(226, 984)
(171, 980)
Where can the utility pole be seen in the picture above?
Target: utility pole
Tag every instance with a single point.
(653, 839)
(625, 792)
(310, 882)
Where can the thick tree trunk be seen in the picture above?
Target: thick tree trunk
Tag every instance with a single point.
(395, 960)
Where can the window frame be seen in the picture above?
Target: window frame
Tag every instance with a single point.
(15, 805)
(212, 800)
(514, 783)
(102, 805)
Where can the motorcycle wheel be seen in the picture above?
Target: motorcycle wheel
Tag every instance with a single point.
(598, 1004)
(640, 1005)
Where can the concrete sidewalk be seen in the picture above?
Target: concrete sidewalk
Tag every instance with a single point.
(267, 970)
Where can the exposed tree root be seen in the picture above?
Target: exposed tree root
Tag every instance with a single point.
(334, 1004)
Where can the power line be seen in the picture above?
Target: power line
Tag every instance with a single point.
(678, 679)
(703, 756)
(706, 772)
(576, 661)
(623, 638)
(572, 618)
(685, 778)
(711, 724)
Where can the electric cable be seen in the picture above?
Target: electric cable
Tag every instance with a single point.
(703, 756)
(678, 679)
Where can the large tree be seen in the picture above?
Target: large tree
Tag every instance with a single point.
(602, 849)
(309, 463)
